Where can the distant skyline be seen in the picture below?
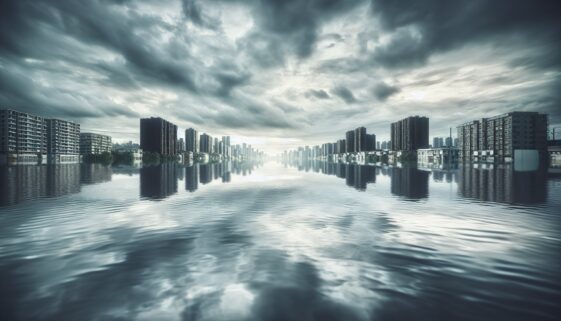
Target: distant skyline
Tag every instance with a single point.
(279, 74)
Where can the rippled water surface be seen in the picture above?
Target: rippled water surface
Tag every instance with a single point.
(275, 242)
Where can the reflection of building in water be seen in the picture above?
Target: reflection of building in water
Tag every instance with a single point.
(340, 170)
(355, 175)
(409, 182)
(502, 184)
(206, 172)
(363, 175)
(63, 179)
(158, 181)
(192, 178)
(95, 173)
(226, 169)
(31, 182)
(217, 170)
(21, 183)
(443, 176)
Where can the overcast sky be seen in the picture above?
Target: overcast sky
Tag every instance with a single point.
(279, 73)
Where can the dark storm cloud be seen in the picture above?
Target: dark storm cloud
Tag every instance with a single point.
(63, 31)
(197, 61)
(193, 12)
(383, 91)
(344, 93)
(290, 27)
(317, 93)
(17, 89)
(423, 28)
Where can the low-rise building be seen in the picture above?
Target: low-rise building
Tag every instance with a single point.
(95, 144)
(437, 155)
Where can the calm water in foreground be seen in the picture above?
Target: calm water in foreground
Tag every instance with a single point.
(275, 242)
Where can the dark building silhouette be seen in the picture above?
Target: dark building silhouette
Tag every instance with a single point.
(192, 178)
(350, 141)
(409, 182)
(370, 143)
(360, 139)
(205, 145)
(410, 134)
(191, 140)
(157, 135)
(158, 182)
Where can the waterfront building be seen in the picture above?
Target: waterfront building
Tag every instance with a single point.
(180, 145)
(225, 148)
(360, 139)
(91, 143)
(157, 135)
(410, 134)
(205, 144)
(215, 146)
(468, 139)
(23, 138)
(504, 137)
(441, 155)
(350, 141)
(341, 146)
(191, 140)
(370, 143)
(63, 141)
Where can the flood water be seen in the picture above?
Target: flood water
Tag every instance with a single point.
(314, 241)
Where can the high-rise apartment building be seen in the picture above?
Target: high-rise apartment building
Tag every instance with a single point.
(225, 146)
(341, 146)
(23, 137)
(180, 145)
(370, 143)
(410, 134)
(205, 144)
(91, 143)
(497, 138)
(191, 140)
(360, 139)
(63, 141)
(350, 141)
(157, 135)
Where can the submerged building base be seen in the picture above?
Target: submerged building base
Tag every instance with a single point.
(22, 159)
(63, 159)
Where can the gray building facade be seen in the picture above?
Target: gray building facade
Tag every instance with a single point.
(410, 134)
(497, 138)
(191, 140)
(157, 135)
(95, 144)
(63, 141)
(23, 138)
